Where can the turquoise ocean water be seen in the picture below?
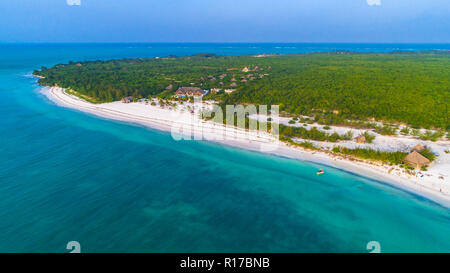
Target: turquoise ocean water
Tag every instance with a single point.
(116, 187)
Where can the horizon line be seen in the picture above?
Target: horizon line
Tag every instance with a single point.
(168, 42)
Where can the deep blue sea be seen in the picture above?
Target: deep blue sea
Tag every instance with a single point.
(116, 187)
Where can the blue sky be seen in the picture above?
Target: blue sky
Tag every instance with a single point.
(381, 21)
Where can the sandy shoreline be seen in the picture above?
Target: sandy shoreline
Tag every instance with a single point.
(429, 186)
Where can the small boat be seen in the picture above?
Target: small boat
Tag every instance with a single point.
(320, 172)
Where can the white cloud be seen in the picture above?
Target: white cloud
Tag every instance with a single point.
(73, 2)
(374, 2)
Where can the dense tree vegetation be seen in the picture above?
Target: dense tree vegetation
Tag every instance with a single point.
(428, 154)
(413, 88)
(312, 134)
(370, 154)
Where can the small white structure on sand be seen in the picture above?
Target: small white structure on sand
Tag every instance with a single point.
(229, 91)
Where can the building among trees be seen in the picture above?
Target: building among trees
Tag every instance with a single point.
(190, 92)
(127, 99)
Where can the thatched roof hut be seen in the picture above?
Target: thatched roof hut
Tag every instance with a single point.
(418, 148)
(416, 160)
(360, 139)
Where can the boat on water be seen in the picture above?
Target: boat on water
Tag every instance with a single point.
(320, 172)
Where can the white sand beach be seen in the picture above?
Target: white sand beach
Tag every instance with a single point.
(433, 184)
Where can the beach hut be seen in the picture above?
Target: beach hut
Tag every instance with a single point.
(360, 139)
(127, 99)
(416, 160)
(418, 148)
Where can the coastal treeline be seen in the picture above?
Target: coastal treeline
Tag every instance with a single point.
(395, 158)
(332, 87)
(312, 134)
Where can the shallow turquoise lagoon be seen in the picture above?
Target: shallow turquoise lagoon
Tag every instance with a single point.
(116, 187)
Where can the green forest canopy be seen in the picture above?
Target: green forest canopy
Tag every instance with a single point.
(400, 87)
